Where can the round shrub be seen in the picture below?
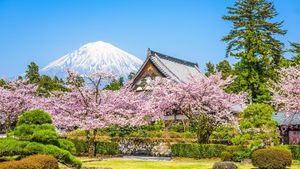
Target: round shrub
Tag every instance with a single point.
(67, 145)
(32, 162)
(34, 117)
(272, 158)
(224, 165)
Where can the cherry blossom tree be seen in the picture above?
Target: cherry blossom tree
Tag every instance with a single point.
(286, 92)
(89, 107)
(202, 101)
(15, 98)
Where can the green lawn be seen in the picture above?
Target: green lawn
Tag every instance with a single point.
(118, 163)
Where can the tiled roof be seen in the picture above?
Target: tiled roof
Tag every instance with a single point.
(173, 68)
(286, 119)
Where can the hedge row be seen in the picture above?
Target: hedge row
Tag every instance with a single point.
(11, 147)
(102, 148)
(32, 162)
(197, 150)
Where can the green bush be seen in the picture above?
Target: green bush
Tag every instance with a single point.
(34, 117)
(11, 147)
(272, 158)
(45, 136)
(67, 145)
(197, 150)
(107, 148)
(235, 153)
(81, 147)
(63, 156)
(32, 162)
(295, 150)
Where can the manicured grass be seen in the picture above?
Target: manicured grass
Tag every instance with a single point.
(118, 163)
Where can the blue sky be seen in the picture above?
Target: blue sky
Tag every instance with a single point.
(41, 31)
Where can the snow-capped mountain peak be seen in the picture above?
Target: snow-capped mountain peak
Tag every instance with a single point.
(95, 57)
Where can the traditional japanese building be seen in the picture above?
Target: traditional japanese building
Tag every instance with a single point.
(289, 127)
(161, 65)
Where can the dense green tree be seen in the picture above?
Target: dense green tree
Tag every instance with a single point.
(225, 68)
(32, 73)
(252, 42)
(116, 84)
(210, 69)
(2, 82)
(46, 85)
(257, 127)
(296, 51)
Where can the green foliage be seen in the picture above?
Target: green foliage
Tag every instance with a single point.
(224, 132)
(296, 51)
(81, 146)
(235, 153)
(63, 156)
(253, 42)
(257, 127)
(295, 150)
(32, 73)
(102, 148)
(67, 145)
(272, 158)
(107, 148)
(2, 82)
(32, 162)
(35, 134)
(197, 150)
(46, 84)
(210, 69)
(11, 147)
(45, 136)
(225, 68)
(34, 117)
(115, 84)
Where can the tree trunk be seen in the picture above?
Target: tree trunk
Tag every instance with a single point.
(90, 138)
(204, 129)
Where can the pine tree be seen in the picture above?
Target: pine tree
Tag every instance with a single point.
(32, 73)
(210, 69)
(296, 50)
(252, 42)
(225, 68)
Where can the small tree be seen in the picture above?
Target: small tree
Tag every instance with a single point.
(210, 69)
(32, 73)
(257, 127)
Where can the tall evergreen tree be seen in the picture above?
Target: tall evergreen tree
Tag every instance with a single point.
(225, 68)
(210, 69)
(32, 73)
(296, 50)
(252, 42)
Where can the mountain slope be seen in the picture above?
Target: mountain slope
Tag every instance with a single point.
(94, 57)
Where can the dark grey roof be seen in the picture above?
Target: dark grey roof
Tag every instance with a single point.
(171, 67)
(286, 119)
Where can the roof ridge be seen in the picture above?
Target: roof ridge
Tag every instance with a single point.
(172, 58)
(168, 69)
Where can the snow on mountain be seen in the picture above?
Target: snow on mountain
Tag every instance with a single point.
(95, 57)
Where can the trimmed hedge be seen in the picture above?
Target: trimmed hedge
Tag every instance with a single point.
(67, 145)
(34, 117)
(235, 153)
(102, 148)
(10, 147)
(107, 148)
(272, 158)
(32, 162)
(295, 150)
(197, 150)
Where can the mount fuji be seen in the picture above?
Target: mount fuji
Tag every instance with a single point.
(94, 57)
